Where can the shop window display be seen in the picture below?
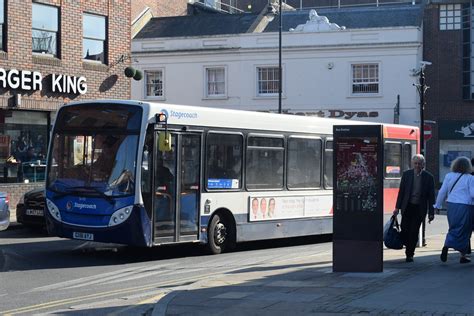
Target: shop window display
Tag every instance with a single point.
(450, 150)
(23, 146)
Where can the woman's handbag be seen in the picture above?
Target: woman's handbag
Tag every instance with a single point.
(391, 234)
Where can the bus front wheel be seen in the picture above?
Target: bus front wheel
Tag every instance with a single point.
(220, 235)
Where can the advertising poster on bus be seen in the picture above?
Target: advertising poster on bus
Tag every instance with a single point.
(273, 208)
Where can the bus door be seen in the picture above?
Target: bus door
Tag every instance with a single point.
(176, 183)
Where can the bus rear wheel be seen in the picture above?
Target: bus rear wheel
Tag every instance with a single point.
(220, 235)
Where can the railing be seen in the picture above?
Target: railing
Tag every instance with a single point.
(311, 4)
(220, 6)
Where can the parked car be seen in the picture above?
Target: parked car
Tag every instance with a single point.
(4, 211)
(30, 208)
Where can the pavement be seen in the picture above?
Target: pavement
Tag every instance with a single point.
(307, 286)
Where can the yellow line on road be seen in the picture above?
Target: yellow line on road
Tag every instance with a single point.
(150, 300)
(32, 308)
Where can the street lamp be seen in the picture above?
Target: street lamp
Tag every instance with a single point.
(270, 15)
(421, 87)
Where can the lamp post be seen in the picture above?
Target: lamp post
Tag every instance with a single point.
(421, 87)
(280, 28)
(271, 12)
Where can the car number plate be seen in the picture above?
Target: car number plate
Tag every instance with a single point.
(83, 236)
(33, 212)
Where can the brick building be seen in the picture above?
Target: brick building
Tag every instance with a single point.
(53, 52)
(448, 34)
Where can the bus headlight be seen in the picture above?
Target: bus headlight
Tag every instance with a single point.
(53, 210)
(120, 216)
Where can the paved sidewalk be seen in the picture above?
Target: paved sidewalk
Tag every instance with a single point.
(308, 286)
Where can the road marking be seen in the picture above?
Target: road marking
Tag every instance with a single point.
(62, 302)
(151, 300)
(46, 305)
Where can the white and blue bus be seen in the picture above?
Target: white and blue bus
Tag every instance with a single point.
(148, 174)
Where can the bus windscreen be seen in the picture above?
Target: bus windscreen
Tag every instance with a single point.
(94, 151)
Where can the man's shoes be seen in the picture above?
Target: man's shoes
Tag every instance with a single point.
(424, 244)
(464, 260)
(444, 254)
(409, 259)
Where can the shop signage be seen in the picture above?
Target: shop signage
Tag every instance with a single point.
(33, 81)
(339, 114)
(456, 129)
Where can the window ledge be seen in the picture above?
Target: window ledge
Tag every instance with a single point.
(220, 97)
(155, 98)
(365, 95)
(266, 97)
(3, 55)
(94, 66)
(46, 60)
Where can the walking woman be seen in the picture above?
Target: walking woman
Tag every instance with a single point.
(458, 188)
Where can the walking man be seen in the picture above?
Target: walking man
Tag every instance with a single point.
(415, 199)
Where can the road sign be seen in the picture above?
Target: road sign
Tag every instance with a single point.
(428, 132)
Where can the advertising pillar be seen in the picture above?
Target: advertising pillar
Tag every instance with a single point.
(358, 199)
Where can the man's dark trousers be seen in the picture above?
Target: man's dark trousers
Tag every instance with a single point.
(411, 222)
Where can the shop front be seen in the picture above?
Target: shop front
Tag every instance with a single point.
(25, 122)
(456, 138)
(23, 145)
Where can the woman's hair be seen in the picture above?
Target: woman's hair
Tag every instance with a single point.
(462, 165)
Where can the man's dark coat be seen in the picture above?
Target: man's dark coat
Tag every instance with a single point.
(427, 198)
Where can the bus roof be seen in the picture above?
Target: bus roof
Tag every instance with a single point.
(228, 118)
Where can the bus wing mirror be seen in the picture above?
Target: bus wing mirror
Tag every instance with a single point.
(164, 141)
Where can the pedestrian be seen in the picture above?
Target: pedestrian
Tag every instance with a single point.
(469, 251)
(458, 191)
(415, 199)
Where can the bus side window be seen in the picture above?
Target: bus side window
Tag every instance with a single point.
(406, 160)
(393, 160)
(264, 165)
(224, 161)
(146, 163)
(304, 163)
(328, 156)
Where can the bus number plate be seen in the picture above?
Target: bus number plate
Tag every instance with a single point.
(83, 236)
(32, 212)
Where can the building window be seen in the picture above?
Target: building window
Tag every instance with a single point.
(2, 24)
(154, 83)
(365, 78)
(95, 40)
(267, 81)
(450, 17)
(45, 29)
(215, 79)
(23, 146)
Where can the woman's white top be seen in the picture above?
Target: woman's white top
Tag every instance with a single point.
(462, 193)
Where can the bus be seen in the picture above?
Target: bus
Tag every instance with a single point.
(148, 174)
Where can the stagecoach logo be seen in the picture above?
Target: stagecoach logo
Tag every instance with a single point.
(69, 205)
(179, 115)
(82, 205)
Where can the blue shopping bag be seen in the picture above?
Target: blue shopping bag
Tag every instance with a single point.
(392, 235)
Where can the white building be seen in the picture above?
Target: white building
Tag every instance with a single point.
(355, 72)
